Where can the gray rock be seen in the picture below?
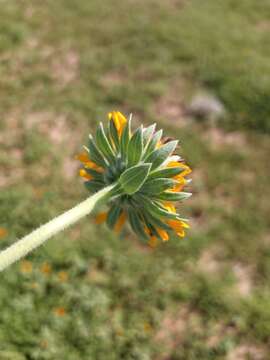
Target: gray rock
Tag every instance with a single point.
(206, 106)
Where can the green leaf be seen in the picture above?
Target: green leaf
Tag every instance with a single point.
(93, 186)
(97, 175)
(124, 142)
(154, 207)
(166, 172)
(95, 154)
(156, 186)
(135, 147)
(148, 133)
(113, 215)
(136, 223)
(114, 135)
(158, 156)
(174, 196)
(152, 229)
(152, 143)
(103, 143)
(133, 178)
(156, 222)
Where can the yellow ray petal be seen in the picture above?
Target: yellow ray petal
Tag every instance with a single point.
(82, 157)
(187, 169)
(89, 164)
(163, 234)
(159, 144)
(174, 164)
(85, 175)
(120, 222)
(169, 206)
(177, 225)
(101, 217)
(181, 233)
(119, 121)
(181, 183)
(153, 242)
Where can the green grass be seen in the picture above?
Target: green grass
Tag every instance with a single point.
(63, 65)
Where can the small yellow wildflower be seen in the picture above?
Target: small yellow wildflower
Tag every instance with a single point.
(63, 276)
(121, 157)
(34, 285)
(60, 311)
(44, 344)
(46, 268)
(26, 267)
(3, 232)
(147, 327)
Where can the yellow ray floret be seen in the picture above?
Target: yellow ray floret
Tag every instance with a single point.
(180, 177)
(119, 121)
(101, 217)
(88, 164)
(120, 222)
(153, 239)
(187, 169)
(163, 234)
(152, 242)
(83, 173)
(169, 206)
(180, 185)
(94, 166)
(159, 144)
(82, 157)
(178, 226)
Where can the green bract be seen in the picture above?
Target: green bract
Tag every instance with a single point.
(147, 174)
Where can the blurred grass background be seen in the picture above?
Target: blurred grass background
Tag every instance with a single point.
(88, 294)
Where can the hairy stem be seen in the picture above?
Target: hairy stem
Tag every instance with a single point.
(28, 243)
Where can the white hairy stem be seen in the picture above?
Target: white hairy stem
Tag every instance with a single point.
(28, 243)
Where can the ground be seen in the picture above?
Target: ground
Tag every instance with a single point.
(88, 293)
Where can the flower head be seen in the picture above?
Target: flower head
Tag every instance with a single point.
(149, 178)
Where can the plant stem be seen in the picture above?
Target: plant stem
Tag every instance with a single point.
(28, 243)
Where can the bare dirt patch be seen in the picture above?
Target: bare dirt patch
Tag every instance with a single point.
(174, 327)
(171, 106)
(55, 127)
(217, 138)
(247, 351)
(208, 262)
(263, 26)
(65, 68)
(70, 168)
(243, 275)
(218, 332)
(9, 178)
(112, 78)
(12, 130)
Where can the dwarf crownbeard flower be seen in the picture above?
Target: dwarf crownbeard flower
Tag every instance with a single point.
(151, 178)
(136, 174)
